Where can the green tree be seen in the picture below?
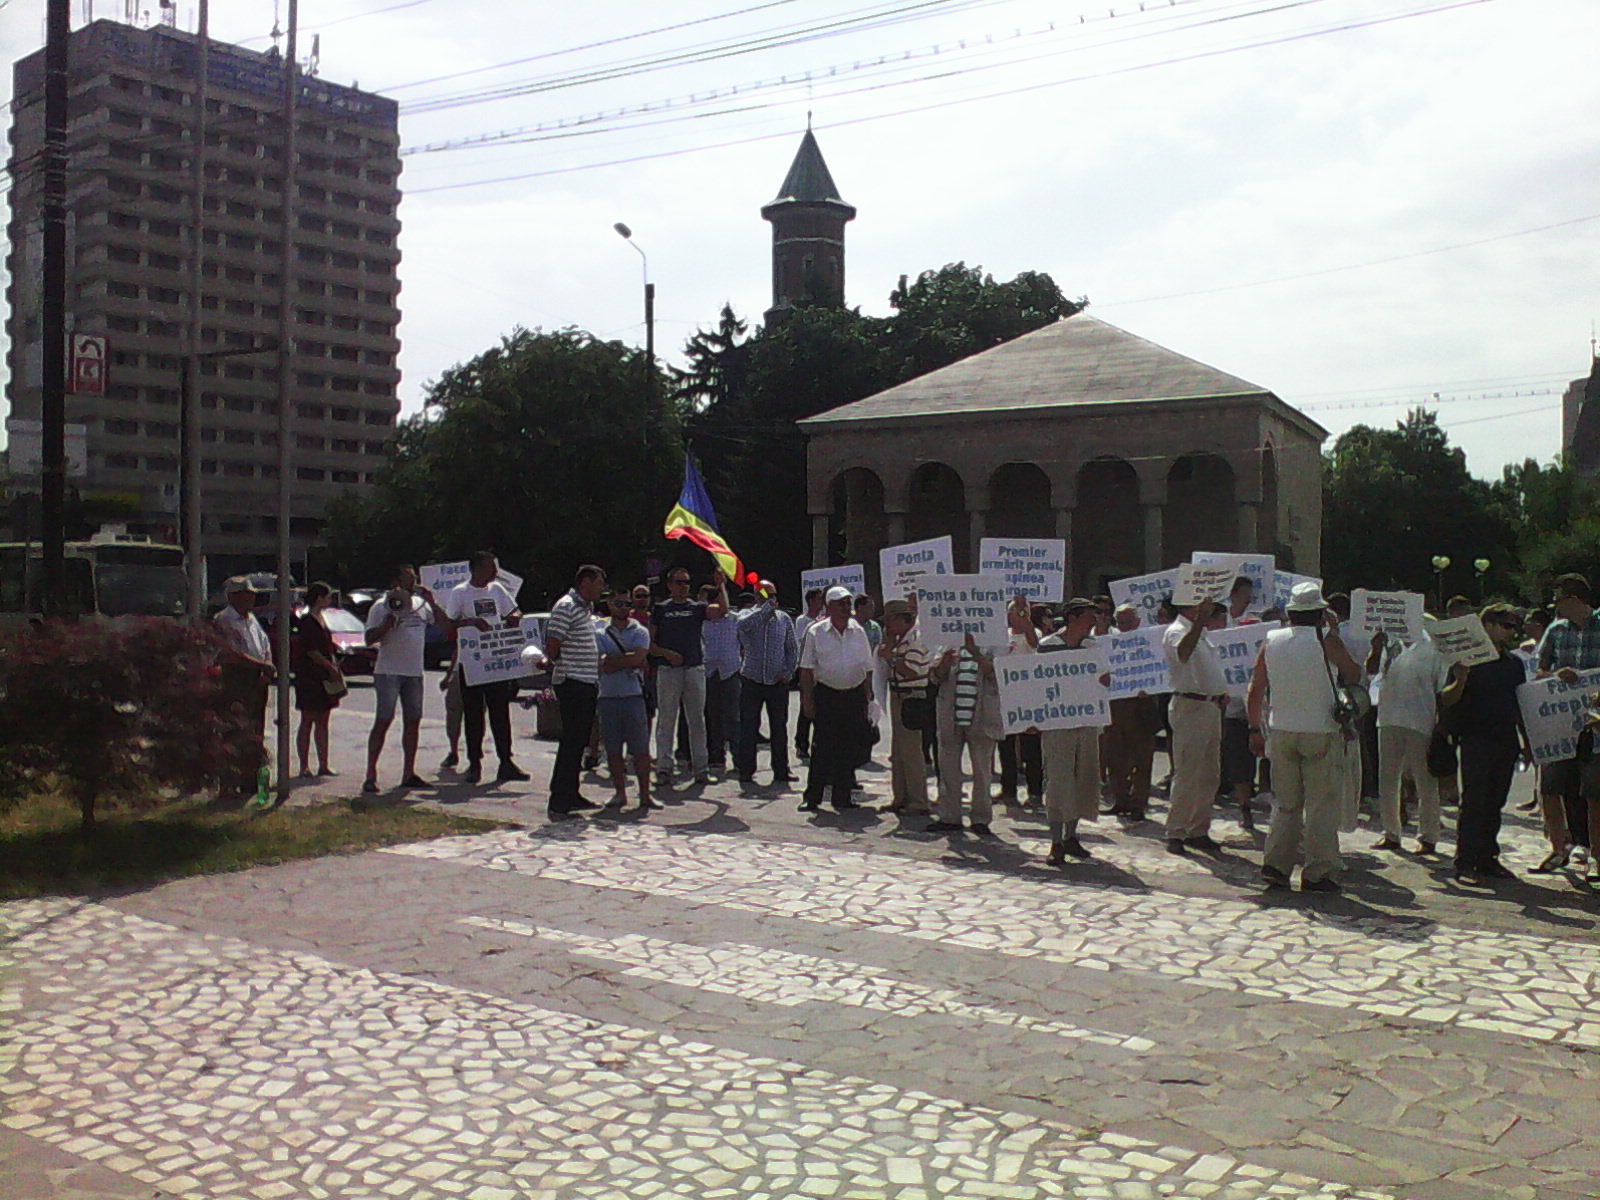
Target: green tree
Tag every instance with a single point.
(1395, 498)
(1556, 515)
(540, 449)
(958, 310)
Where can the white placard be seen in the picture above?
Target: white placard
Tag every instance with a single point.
(439, 578)
(1284, 583)
(1553, 714)
(1055, 689)
(495, 655)
(901, 566)
(1198, 582)
(1463, 640)
(952, 606)
(1236, 653)
(853, 577)
(1036, 567)
(1137, 661)
(1145, 592)
(1397, 614)
(1260, 569)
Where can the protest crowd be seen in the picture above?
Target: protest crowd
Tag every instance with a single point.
(1290, 707)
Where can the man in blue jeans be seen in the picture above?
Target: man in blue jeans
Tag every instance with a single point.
(575, 674)
(769, 654)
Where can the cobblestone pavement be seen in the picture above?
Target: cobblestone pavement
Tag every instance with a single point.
(731, 999)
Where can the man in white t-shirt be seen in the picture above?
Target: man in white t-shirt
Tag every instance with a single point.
(482, 603)
(398, 625)
(1408, 710)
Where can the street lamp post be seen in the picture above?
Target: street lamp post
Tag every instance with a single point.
(649, 324)
(1441, 564)
(1480, 568)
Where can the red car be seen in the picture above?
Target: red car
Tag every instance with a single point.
(350, 635)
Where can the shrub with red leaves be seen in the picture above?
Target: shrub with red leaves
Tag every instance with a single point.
(118, 710)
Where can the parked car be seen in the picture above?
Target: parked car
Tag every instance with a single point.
(350, 636)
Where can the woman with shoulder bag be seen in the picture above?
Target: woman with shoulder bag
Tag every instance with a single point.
(318, 683)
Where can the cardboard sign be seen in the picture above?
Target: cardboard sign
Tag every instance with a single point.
(496, 655)
(1145, 592)
(1463, 640)
(1054, 689)
(1036, 568)
(1137, 661)
(439, 578)
(1236, 653)
(952, 606)
(853, 577)
(1260, 569)
(1553, 714)
(1198, 582)
(1396, 614)
(901, 567)
(1284, 583)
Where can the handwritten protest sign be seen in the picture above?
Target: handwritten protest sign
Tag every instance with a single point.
(853, 577)
(495, 655)
(1037, 568)
(1236, 652)
(1259, 569)
(1284, 583)
(1059, 689)
(441, 577)
(1145, 592)
(1198, 582)
(1463, 640)
(1553, 714)
(902, 566)
(951, 606)
(1397, 614)
(1138, 662)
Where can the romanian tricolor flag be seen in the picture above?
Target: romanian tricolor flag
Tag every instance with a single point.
(694, 518)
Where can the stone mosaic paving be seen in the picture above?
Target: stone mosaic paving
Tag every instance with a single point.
(767, 976)
(210, 1068)
(1511, 984)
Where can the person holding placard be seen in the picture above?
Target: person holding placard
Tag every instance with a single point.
(397, 626)
(1408, 711)
(482, 603)
(1570, 644)
(1199, 691)
(906, 661)
(1020, 752)
(968, 709)
(1488, 725)
(1071, 756)
(835, 686)
(1298, 670)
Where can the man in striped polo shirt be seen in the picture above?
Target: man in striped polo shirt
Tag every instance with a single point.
(570, 644)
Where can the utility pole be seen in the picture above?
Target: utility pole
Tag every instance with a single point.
(189, 482)
(291, 96)
(53, 340)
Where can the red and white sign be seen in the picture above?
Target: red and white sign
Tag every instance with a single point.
(88, 366)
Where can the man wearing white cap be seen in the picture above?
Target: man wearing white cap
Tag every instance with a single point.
(247, 669)
(835, 685)
(1297, 668)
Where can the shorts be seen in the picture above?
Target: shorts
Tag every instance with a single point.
(1238, 764)
(407, 689)
(623, 720)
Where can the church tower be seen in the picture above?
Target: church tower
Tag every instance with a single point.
(808, 220)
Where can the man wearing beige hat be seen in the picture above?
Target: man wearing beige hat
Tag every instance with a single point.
(247, 669)
(1071, 756)
(1297, 671)
(907, 662)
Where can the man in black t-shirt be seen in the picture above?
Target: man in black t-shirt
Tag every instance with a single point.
(681, 684)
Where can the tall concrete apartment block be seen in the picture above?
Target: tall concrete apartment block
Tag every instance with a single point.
(130, 203)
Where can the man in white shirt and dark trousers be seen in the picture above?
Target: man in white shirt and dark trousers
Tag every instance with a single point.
(483, 604)
(1199, 691)
(835, 685)
(574, 654)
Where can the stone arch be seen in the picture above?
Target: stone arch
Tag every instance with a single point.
(1267, 517)
(1019, 502)
(858, 526)
(1107, 526)
(936, 504)
(1202, 510)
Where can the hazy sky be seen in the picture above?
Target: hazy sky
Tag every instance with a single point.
(1354, 203)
